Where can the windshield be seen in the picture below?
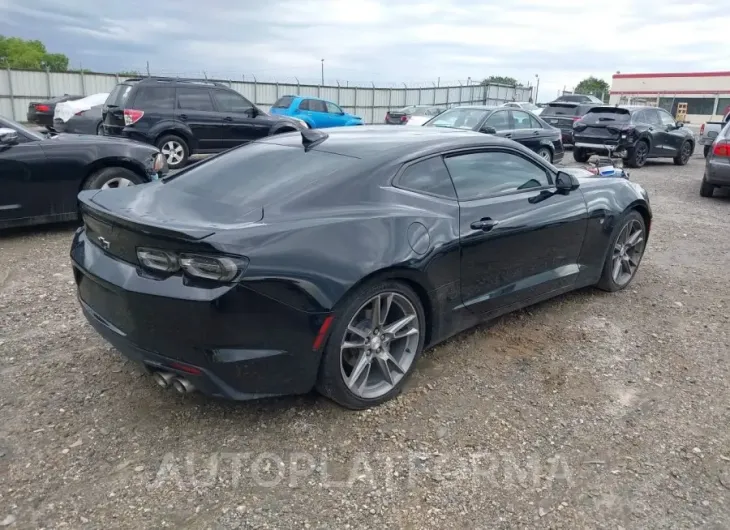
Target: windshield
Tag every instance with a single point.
(10, 124)
(560, 110)
(119, 95)
(423, 111)
(458, 118)
(606, 116)
(529, 106)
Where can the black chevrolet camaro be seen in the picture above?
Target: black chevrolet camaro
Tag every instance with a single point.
(41, 175)
(331, 260)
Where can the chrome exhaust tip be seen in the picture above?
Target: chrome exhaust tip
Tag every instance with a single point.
(164, 379)
(182, 386)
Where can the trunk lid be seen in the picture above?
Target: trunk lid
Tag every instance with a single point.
(563, 115)
(120, 220)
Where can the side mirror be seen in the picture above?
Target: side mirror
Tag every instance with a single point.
(8, 136)
(253, 111)
(487, 129)
(566, 182)
(680, 124)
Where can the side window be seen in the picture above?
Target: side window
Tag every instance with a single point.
(653, 117)
(317, 105)
(665, 117)
(641, 117)
(231, 102)
(333, 109)
(429, 176)
(499, 120)
(283, 102)
(194, 99)
(159, 97)
(304, 104)
(489, 173)
(521, 119)
(534, 124)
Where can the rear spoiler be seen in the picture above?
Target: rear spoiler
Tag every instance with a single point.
(608, 108)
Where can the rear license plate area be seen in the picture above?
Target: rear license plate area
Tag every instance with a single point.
(104, 302)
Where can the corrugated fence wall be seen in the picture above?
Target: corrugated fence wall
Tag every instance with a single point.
(18, 88)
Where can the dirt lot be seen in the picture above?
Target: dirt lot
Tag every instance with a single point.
(588, 411)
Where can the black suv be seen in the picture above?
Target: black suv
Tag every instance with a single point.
(183, 117)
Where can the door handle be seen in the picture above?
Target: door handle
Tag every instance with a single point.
(536, 133)
(485, 224)
(651, 128)
(508, 135)
(227, 118)
(183, 116)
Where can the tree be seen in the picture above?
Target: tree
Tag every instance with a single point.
(29, 55)
(592, 86)
(500, 80)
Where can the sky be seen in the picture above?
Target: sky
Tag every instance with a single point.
(386, 42)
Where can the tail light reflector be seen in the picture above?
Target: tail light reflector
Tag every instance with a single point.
(322, 334)
(132, 116)
(721, 149)
(702, 129)
(42, 108)
(192, 370)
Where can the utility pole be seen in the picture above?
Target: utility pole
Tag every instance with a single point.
(537, 86)
(148, 68)
(322, 72)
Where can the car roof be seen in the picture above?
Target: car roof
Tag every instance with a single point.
(377, 141)
(478, 107)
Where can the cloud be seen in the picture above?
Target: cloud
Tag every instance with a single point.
(381, 41)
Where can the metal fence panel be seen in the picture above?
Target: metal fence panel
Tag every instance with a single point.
(19, 87)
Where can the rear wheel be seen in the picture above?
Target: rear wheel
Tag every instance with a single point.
(706, 189)
(100, 130)
(684, 153)
(112, 177)
(625, 253)
(580, 155)
(546, 154)
(175, 150)
(638, 155)
(377, 337)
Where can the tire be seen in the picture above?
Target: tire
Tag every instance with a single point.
(706, 189)
(112, 177)
(706, 150)
(685, 151)
(580, 155)
(638, 155)
(608, 281)
(405, 350)
(175, 149)
(100, 130)
(546, 154)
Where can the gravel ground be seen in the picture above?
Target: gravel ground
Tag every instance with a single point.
(588, 411)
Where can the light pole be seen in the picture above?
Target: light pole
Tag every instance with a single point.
(537, 87)
(322, 72)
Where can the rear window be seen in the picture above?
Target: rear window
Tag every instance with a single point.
(258, 173)
(155, 97)
(283, 102)
(560, 110)
(119, 95)
(606, 116)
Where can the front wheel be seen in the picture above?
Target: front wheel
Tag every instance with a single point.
(580, 155)
(684, 153)
(175, 150)
(377, 337)
(112, 177)
(625, 253)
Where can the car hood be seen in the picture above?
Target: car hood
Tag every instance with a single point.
(90, 139)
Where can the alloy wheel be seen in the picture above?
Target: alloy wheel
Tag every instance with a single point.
(686, 149)
(627, 252)
(117, 182)
(379, 345)
(642, 151)
(544, 154)
(173, 151)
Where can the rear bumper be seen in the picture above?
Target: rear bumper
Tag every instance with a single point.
(45, 120)
(244, 344)
(717, 173)
(59, 126)
(567, 137)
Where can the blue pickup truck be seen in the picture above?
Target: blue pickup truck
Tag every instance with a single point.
(315, 112)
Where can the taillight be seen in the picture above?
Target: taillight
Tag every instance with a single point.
(42, 108)
(216, 268)
(722, 149)
(132, 116)
(79, 113)
(404, 119)
(702, 129)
